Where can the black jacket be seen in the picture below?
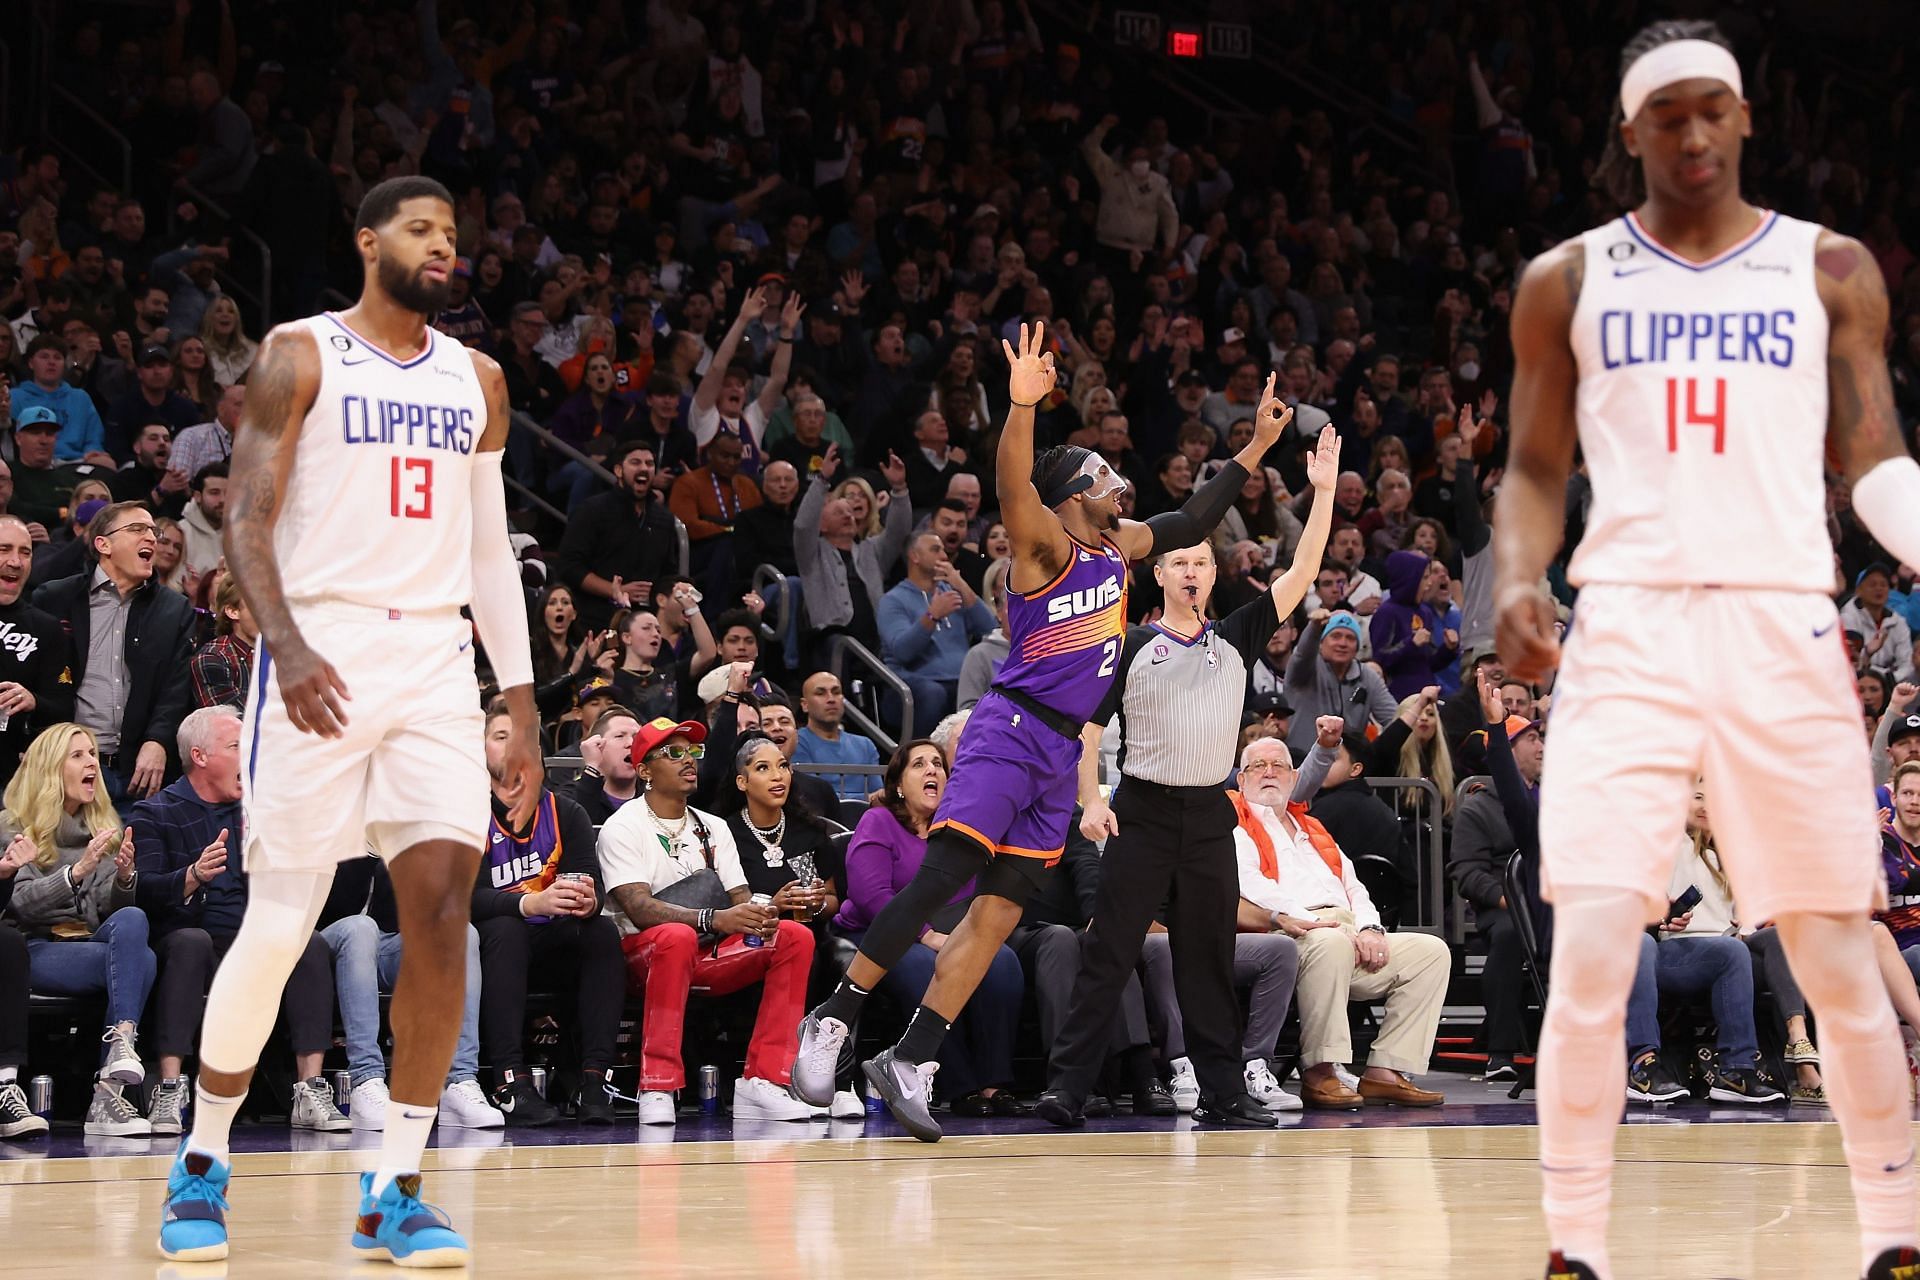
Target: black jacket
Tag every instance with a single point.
(605, 535)
(33, 653)
(1360, 822)
(159, 642)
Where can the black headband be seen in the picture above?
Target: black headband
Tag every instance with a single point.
(1065, 480)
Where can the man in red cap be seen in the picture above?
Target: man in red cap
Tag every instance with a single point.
(681, 901)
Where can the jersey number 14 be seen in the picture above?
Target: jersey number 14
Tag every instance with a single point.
(412, 489)
(1714, 416)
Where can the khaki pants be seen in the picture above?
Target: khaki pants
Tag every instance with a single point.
(1413, 981)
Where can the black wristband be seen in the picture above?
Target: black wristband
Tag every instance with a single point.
(1023, 405)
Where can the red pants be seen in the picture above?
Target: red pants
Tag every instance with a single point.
(665, 966)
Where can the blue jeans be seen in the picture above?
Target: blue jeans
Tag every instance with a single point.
(116, 960)
(1687, 968)
(365, 963)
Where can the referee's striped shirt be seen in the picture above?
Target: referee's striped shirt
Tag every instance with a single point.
(1180, 700)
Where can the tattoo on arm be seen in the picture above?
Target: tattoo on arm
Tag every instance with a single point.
(1863, 427)
(646, 911)
(248, 540)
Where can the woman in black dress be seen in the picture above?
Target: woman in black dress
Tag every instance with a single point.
(785, 850)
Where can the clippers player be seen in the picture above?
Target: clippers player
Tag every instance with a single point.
(1003, 819)
(1706, 356)
(368, 508)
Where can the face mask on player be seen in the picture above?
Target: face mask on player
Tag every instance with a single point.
(1104, 481)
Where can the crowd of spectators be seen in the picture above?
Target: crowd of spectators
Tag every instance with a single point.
(754, 261)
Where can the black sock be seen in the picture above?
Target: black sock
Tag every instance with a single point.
(1137, 1064)
(922, 1039)
(843, 1004)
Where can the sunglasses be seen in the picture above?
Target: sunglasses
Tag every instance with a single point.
(677, 754)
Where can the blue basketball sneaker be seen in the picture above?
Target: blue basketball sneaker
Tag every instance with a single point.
(398, 1226)
(193, 1224)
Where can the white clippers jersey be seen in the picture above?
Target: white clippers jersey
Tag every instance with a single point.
(1702, 410)
(380, 508)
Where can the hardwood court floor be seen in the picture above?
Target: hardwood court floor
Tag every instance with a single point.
(771, 1202)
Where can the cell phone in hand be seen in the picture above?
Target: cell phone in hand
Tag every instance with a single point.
(1684, 903)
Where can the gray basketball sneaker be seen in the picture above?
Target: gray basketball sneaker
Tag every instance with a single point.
(907, 1090)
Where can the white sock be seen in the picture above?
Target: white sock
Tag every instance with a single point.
(9, 1075)
(403, 1143)
(213, 1123)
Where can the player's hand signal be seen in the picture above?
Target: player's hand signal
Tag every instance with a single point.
(1032, 365)
(1273, 415)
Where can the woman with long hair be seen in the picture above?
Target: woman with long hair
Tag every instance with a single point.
(1389, 453)
(230, 351)
(862, 506)
(1699, 867)
(888, 846)
(73, 897)
(1412, 746)
(192, 375)
(785, 849)
(169, 552)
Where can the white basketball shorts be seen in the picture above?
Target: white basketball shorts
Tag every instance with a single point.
(1750, 690)
(410, 766)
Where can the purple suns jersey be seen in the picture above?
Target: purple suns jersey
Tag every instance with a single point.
(1065, 638)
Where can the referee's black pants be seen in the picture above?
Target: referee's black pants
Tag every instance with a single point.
(1175, 845)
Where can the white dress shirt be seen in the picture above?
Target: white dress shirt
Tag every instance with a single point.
(1306, 884)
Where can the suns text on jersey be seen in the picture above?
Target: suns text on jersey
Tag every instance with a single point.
(404, 422)
(1090, 600)
(1696, 337)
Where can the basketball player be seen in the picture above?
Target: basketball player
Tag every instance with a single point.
(367, 510)
(1004, 816)
(1706, 356)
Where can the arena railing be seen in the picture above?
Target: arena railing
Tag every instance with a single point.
(263, 300)
(550, 441)
(71, 106)
(841, 650)
(1429, 852)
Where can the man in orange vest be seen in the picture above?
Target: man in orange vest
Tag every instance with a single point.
(1292, 871)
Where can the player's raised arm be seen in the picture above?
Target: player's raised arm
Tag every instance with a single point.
(1036, 532)
(499, 603)
(1863, 429)
(281, 387)
(1533, 495)
(1206, 506)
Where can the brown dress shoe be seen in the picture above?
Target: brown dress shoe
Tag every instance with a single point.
(1330, 1095)
(1398, 1092)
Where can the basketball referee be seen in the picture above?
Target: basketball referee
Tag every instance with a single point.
(1179, 692)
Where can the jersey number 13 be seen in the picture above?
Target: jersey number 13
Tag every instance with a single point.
(413, 489)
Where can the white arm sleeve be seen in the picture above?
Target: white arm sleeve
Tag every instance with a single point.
(499, 605)
(1888, 500)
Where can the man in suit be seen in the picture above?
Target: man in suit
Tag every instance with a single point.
(128, 641)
